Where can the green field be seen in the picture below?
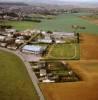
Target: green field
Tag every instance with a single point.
(64, 23)
(15, 83)
(64, 51)
(22, 25)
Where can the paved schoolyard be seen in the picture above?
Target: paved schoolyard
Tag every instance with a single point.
(30, 57)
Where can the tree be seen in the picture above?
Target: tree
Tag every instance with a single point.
(76, 27)
(50, 32)
(78, 38)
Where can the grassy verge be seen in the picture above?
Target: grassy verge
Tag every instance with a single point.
(15, 83)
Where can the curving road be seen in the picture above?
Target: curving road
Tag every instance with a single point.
(30, 72)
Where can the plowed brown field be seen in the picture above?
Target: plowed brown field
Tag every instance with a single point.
(83, 90)
(89, 47)
(87, 68)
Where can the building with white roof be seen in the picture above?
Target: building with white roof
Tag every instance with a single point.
(48, 81)
(62, 35)
(2, 38)
(59, 37)
(35, 49)
(10, 30)
(47, 39)
(18, 41)
(43, 72)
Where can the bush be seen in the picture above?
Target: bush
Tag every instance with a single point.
(32, 20)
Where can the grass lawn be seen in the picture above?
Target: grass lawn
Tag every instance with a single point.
(22, 25)
(64, 51)
(15, 83)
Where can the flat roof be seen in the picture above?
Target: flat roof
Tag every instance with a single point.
(63, 33)
(35, 48)
(45, 40)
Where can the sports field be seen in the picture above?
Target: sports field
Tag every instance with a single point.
(64, 51)
(15, 83)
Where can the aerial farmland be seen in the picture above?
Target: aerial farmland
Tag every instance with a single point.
(48, 52)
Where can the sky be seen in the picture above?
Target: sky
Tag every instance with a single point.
(54, 0)
(49, 1)
(79, 0)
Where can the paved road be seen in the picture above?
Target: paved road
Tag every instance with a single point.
(30, 72)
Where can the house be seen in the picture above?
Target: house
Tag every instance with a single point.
(2, 38)
(20, 37)
(29, 32)
(43, 32)
(3, 44)
(59, 41)
(43, 72)
(36, 31)
(9, 39)
(18, 41)
(34, 49)
(9, 35)
(41, 64)
(35, 67)
(45, 40)
(10, 30)
(48, 81)
(12, 47)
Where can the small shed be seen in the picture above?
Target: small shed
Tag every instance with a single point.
(48, 81)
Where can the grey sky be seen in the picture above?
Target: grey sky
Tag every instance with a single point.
(49, 0)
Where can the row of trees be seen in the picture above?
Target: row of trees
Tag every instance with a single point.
(76, 28)
(3, 27)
